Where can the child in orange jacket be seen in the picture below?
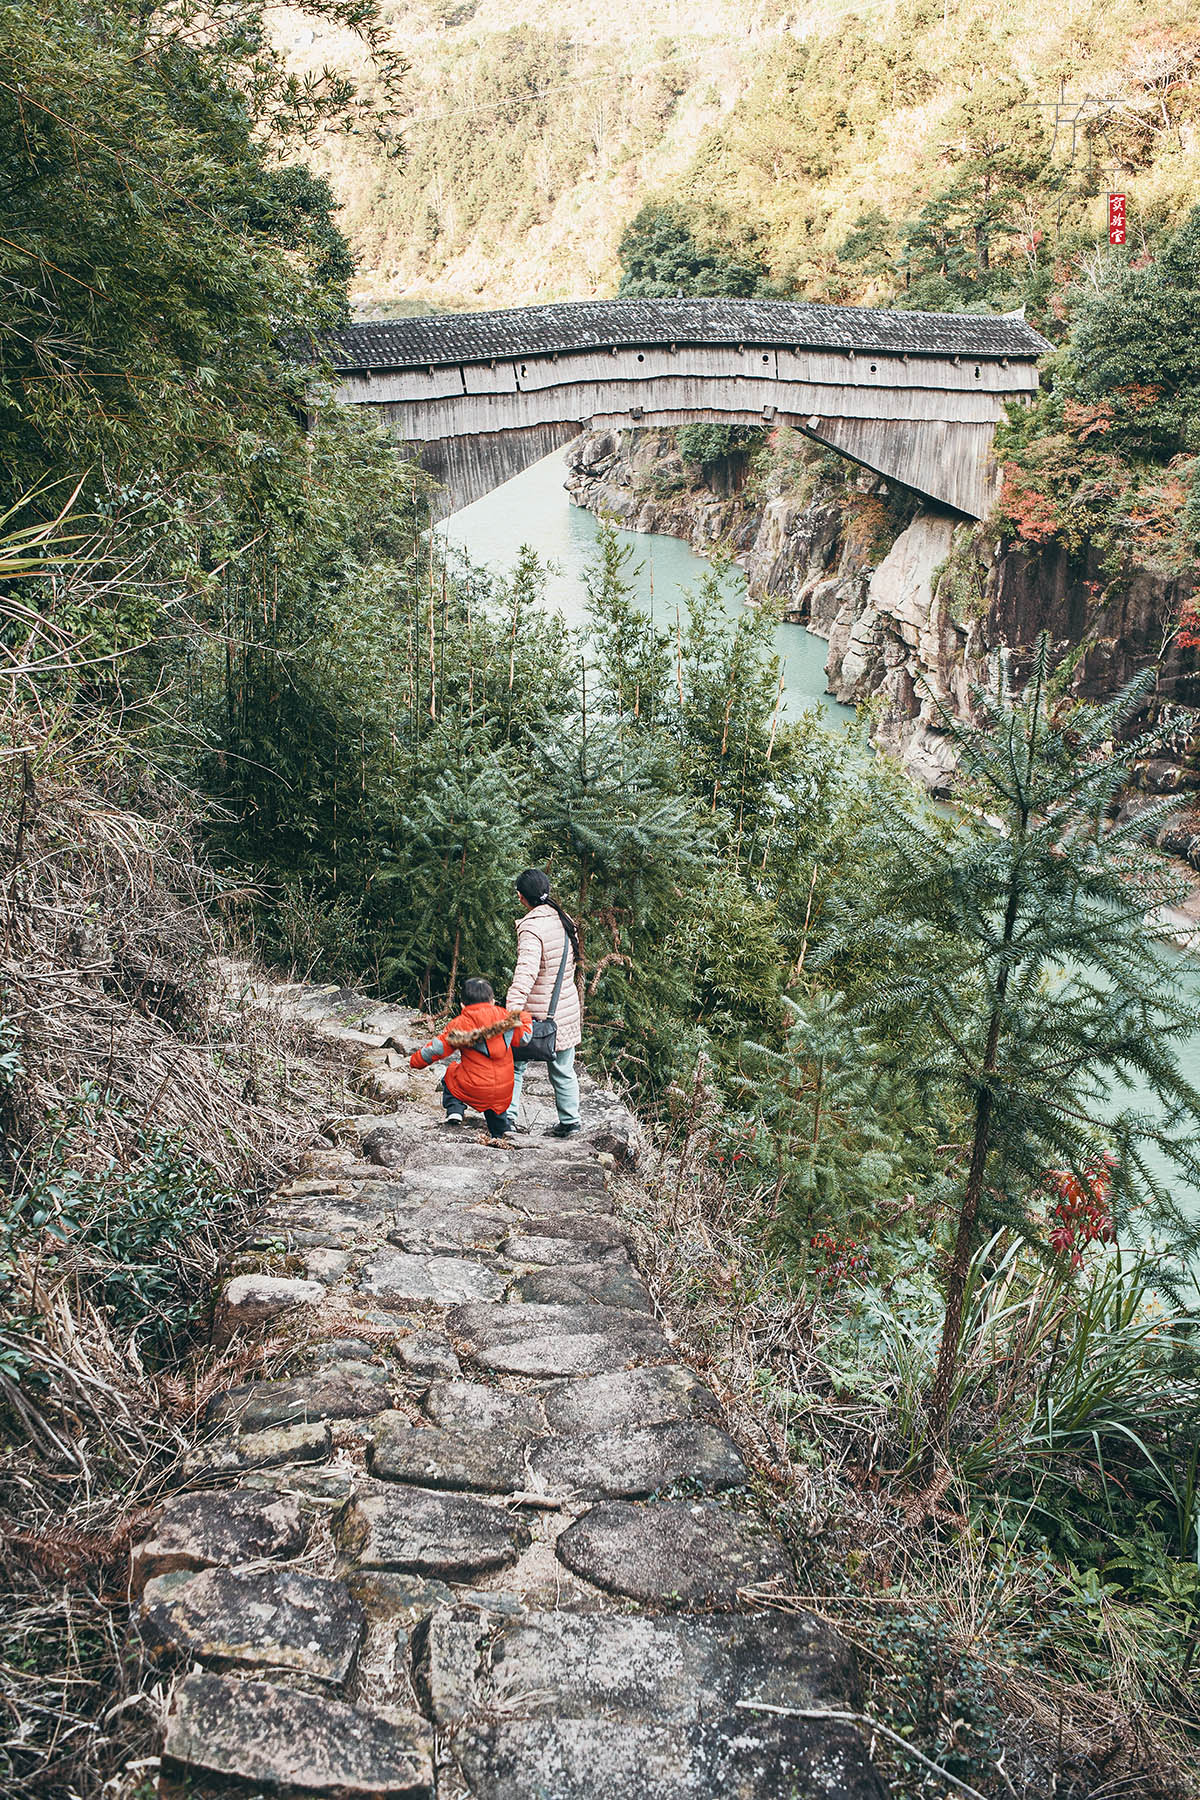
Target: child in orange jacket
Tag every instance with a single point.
(483, 1034)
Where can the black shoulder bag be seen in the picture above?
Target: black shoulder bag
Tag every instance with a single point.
(539, 1047)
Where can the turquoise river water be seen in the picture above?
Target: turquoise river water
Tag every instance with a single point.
(534, 509)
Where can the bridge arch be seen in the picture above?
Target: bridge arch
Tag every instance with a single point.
(914, 397)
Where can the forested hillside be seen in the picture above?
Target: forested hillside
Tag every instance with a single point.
(944, 151)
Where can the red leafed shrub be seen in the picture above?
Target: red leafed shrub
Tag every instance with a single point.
(836, 1258)
(1080, 1215)
(1188, 635)
(1088, 421)
(1033, 514)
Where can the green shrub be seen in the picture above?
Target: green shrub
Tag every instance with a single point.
(136, 1229)
(711, 444)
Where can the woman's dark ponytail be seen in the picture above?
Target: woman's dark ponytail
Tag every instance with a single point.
(568, 926)
(533, 885)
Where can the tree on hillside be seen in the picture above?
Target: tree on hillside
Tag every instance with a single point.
(995, 150)
(660, 257)
(630, 657)
(1108, 454)
(156, 248)
(1136, 346)
(1026, 989)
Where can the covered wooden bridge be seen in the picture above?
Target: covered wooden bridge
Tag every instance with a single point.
(913, 396)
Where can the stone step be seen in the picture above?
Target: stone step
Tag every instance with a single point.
(250, 1301)
(473, 1406)
(436, 1228)
(594, 1233)
(684, 1553)
(628, 1397)
(268, 1619)
(269, 1449)
(546, 1340)
(395, 1278)
(736, 1758)
(545, 1199)
(633, 1462)
(484, 1462)
(346, 1390)
(288, 1741)
(566, 1171)
(551, 1252)
(469, 1180)
(601, 1283)
(426, 1532)
(680, 1670)
(202, 1531)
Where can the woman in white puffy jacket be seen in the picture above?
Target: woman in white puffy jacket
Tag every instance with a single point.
(544, 933)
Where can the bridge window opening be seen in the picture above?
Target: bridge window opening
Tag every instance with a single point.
(766, 359)
(874, 368)
(641, 358)
(977, 371)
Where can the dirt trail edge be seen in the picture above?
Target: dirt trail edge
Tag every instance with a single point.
(483, 1535)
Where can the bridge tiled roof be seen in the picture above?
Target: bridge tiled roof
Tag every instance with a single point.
(609, 324)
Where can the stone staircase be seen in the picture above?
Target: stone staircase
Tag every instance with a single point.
(484, 1535)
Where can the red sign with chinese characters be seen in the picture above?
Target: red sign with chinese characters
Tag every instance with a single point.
(1116, 218)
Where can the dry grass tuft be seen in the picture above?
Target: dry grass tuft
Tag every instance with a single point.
(144, 1112)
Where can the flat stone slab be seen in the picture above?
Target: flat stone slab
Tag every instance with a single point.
(733, 1759)
(426, 1356)
(390, 1146)
(397, 1279)
(473, 1406)
(551, 1252)
(441, 1230)
(325, 1264)
(595, 1230)
(674, 1670)
(685, 1553)
(338, 1225)
(431, 1533)
(200, 1531)
(343, 1390)
(639, 1460)
(326, 1487)
(629, 1397)
(602, 1283)
(319, 1184)
(486, 1462)
(545, 1340)
(469, 1181)
(563, 1170)
(260, 1450)
(338, 1350)
(250, 1300)
(263, 1619)
(572, 1353)
(281, 1739)
(543, 1201)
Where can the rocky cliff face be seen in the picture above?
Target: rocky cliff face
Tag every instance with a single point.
(919, 607)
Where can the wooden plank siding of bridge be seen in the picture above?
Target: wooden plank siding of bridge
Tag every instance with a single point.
(914, 397)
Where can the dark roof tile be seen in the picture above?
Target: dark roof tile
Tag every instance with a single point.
(591, 324)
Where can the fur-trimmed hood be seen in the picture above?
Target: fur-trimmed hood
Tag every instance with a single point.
(471, 1040)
